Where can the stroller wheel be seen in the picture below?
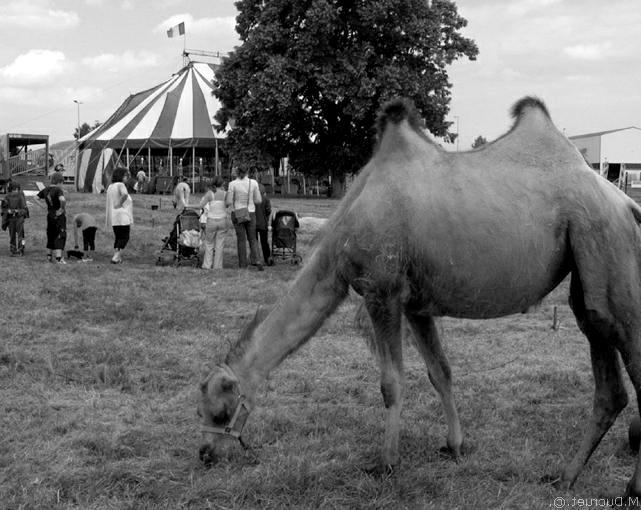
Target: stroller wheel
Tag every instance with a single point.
(165, 259)
(297, 260)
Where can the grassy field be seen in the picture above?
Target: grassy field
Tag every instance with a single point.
(99, 366)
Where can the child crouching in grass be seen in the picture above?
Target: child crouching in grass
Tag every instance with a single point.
(86, 223)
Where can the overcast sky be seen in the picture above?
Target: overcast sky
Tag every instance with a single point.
(582, 57)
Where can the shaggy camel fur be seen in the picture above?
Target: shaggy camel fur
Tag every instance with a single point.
(477, 234)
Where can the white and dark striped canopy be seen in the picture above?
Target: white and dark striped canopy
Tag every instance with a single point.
(177, 113)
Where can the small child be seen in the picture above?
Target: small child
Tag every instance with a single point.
(203, 224)
(87, 224)
(14, 212)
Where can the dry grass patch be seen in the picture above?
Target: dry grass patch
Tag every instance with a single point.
(99, 368)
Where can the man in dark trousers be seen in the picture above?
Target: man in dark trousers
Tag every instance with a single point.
(14, 212)
(263, 212)
(56, 218)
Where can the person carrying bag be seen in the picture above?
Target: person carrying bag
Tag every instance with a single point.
(244, 217)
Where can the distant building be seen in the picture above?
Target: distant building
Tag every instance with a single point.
(613, 153)
(23, 157)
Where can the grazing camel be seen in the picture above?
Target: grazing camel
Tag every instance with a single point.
(424, 233)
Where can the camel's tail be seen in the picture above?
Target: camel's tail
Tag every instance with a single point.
(636, 211)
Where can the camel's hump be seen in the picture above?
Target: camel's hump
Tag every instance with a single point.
(396, 111)
(523, 104)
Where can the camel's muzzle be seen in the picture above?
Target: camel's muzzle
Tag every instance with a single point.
(235, 426)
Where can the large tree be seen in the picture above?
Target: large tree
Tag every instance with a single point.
(84, 129)
(310, 75)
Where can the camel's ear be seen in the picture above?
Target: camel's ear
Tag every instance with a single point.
(204, 371)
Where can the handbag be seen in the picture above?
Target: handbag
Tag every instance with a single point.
(241, 215)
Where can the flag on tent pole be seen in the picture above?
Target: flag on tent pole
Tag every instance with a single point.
(178, 29)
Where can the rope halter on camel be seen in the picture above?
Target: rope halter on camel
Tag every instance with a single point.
(235, 426)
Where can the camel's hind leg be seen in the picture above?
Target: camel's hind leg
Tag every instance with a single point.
(429, 345)
(631, 354)
(385, 313)
(609, 393)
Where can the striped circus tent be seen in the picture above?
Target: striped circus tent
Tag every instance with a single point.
(174, 118)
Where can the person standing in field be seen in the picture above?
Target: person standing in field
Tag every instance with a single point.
(263, 212)
(181, 195)
(217, 224)
(85, 223)
(243, 193)
(141, 181)
(119, 214)
(54, 195)
(14, 212)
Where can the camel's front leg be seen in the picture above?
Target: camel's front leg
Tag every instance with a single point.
(429, 345)
(386, 319)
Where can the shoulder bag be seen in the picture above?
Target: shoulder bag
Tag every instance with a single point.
(241, 215)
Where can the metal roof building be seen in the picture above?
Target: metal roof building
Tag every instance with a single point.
(611, 152)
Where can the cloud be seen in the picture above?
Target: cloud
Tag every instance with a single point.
(526, 6)
(49, 97)
(34, 67)
(588, 51)
(199, 26)
(84, 94)
(37, 14)
(125, 61)
(13, 95)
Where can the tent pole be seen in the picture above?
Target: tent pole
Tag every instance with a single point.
(149, 161)
(193, 169)
(127, 165)
(171, 166)
(271, 173)
(216, 162)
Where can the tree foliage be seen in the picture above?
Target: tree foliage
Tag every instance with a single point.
(478, 142)
(85, 129)
(310, 76)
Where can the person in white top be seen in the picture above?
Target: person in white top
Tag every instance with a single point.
(181, 195)
(244, 192)
(120, 215)
(217, 224)
(141, 180)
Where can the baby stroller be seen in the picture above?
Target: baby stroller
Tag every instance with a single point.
(180, 247)
(284, 226)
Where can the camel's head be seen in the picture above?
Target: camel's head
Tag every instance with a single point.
(224, 400)
(223, 410)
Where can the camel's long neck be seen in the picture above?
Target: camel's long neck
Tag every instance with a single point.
(314, 295)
